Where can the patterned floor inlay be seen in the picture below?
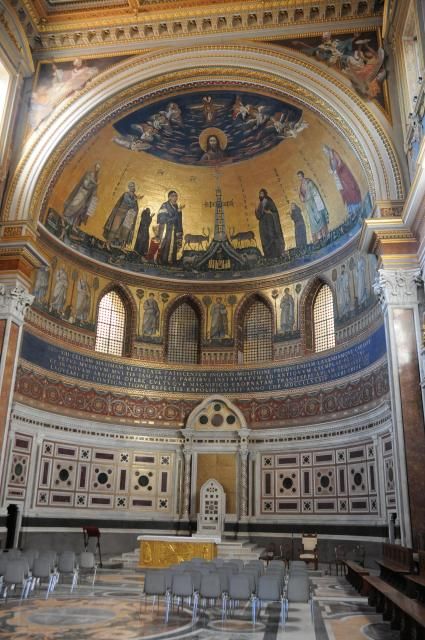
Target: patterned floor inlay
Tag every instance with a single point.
(342, 614)
(113, 610)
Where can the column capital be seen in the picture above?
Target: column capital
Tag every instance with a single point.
(14, 302)
(397, 287)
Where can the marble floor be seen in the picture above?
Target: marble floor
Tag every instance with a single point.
(112, 610)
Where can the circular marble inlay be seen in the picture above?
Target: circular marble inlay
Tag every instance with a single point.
(102, 478)
(324, 481)
(18, 469)
(63, 475)
(357, 479)
(143, 481)
(217, 420)
(287, 483)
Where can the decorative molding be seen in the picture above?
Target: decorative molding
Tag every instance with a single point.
(9, 31)
(152, 25)
(347, 429)
(272, 412)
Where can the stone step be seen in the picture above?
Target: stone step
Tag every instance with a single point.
(240, 550)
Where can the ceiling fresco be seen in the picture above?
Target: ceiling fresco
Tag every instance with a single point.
(218, 184)
(57, 81)
(359, 57)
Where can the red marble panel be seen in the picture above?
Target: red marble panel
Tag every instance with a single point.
(412, 412)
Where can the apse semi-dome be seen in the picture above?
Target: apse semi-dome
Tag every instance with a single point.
(214, 184)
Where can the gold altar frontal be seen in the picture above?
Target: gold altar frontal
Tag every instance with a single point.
(158, 552)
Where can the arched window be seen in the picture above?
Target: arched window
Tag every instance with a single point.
(257, 333)
(183, 335)
(111, 325)
(323, 319)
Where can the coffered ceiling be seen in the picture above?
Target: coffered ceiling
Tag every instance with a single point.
(63, 28)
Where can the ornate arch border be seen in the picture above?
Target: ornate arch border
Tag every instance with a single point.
(151, 76)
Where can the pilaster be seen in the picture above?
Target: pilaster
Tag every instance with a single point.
(14, 301)
(397, 291)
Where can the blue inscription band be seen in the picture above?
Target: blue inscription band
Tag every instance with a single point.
(253, 380)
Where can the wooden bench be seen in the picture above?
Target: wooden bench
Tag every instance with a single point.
(416, 582)
(396, 564)
(405, 614)
(355, 573)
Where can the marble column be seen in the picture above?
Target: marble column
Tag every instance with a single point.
(243, 475)
(397, 291)
(243, 485)
(14, 301)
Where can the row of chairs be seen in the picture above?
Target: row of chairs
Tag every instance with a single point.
(201, 584)
(29, 568)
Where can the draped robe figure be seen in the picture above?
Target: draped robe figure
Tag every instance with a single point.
(142, 240)
(270, 228)
(150, 316)
(170, 230)
(117, 228)
(299, 226)
(219, 320)
(345, 181)
(315, 207)
(82, 201)
(287, 316)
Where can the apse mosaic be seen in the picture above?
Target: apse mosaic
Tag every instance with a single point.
(213, 185)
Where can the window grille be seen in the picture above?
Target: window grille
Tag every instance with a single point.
(111, 321)
(183, 335)
(257, 334)
(323, 320)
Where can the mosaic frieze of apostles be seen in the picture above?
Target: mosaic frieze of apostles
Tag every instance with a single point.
(57, 81)
(215, 185)
(359, 57)
(72, 294)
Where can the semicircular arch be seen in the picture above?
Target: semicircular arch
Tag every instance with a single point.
(114, 91)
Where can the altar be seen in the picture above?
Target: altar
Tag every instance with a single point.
(162, 551)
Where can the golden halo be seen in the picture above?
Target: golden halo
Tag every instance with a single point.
(212, 131)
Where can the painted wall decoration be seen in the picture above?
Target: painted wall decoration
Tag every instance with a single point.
(57, 81)
(270, 412)
(223, 184)
(360, 57)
